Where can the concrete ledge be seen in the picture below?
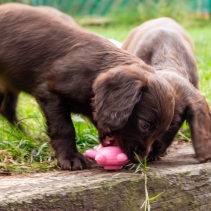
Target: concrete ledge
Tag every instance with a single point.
(185, 183)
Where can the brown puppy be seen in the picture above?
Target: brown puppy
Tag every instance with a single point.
(71, 70)
(165, 45)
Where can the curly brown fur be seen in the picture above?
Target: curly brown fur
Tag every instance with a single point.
(166, 46)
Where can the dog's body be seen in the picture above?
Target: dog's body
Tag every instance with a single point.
(164, 44)
(70, 70)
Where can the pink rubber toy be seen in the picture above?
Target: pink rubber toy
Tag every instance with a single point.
(110, 157)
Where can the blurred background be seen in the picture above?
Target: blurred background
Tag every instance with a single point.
(143, 9)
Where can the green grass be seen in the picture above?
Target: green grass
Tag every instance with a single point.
(32, 153)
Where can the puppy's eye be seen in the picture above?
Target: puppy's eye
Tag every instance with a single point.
(145, 125)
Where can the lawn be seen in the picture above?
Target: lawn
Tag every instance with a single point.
(32, 153)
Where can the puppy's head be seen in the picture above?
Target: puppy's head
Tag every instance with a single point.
(134, 106)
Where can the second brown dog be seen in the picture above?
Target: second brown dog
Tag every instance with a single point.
(166, 46)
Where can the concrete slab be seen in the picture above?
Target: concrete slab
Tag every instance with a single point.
(186, 185)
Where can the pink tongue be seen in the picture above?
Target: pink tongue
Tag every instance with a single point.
(109, 141)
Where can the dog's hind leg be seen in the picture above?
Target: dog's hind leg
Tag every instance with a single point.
(8, 103)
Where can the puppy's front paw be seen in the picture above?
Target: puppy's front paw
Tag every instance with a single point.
(203, 153)
(75, 162)
(153, 158)
(204, 158)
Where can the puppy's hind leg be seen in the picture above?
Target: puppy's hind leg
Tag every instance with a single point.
(8, 103)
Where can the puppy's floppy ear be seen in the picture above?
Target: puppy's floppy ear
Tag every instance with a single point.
(116, 93)
(199, 120)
